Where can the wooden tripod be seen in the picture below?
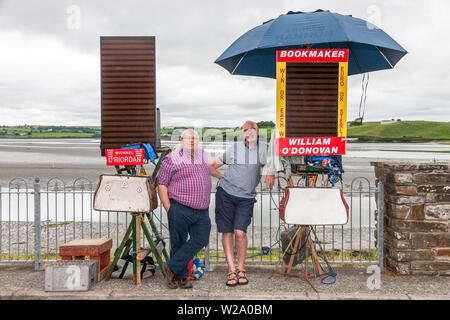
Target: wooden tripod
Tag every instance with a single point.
(134, 229)
(296, 244)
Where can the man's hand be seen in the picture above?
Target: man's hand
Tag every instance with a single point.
(213, 166)
(270, 180)
(164, 196)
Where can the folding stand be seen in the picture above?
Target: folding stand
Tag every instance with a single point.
(134, 229)
(157, 247)
(310, 173)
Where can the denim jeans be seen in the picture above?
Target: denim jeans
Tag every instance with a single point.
(184, 221)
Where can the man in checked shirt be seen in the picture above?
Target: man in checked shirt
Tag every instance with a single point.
(184, 187)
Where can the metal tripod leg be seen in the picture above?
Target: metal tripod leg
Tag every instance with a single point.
(153, 247)
(119, 250)
(157, 235)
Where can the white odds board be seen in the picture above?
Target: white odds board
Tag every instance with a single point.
(316, 206)
(123, 194)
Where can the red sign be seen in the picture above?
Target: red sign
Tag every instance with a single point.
(310, 146)
(312, 55)
(124, 157)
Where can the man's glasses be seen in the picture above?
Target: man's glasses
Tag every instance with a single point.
(189, 139)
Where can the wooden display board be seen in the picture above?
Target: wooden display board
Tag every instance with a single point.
(128, 97)
(311, 101)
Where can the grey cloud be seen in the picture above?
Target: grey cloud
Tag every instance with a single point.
(190, 36)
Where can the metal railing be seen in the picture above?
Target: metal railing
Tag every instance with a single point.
(35, 220)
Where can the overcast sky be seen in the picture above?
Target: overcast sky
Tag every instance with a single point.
(50, 63)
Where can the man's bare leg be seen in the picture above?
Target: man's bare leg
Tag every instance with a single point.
(228, 247)
(241, 249)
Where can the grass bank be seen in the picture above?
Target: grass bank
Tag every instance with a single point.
(401, 131)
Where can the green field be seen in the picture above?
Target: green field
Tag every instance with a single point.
(401, 131)
(398, 131)
(49, 132)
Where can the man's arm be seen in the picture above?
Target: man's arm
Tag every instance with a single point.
(164, 176)
(273, 163)
(164, 196)
(214, 165)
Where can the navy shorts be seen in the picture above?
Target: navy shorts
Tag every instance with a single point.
(233, 213)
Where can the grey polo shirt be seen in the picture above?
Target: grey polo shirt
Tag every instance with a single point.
(244, 168)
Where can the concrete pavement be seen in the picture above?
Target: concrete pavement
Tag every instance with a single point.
(20, 281)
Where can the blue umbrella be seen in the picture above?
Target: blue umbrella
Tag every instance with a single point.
(254, 53)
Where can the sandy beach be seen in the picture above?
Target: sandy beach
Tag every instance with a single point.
(47, 159)
(69, 159)
(21, 161)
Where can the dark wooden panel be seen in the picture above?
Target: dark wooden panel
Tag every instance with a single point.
(292, 78)
(127, 140)
(120, 51)
(309, 96)
(328, 109)
(149, 84)
(317, 131)
(123, 134)
(315, 65)
(313, 113)
(301, 102)
(311, 99)
(128, 112)
(127, 46)
(118, 128)
(128, 101)
(125, 79)
(313, 87)
(116, 74)
(128, 62)
(128, 90)
(127, 95)
(118, 123)
(128, 68)
(126, 57)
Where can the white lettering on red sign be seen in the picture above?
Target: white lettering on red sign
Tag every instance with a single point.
(117, 157)
(306, 54)
(310, 146)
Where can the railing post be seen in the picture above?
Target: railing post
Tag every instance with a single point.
(37, 224)
(380, 226)
(206, 259)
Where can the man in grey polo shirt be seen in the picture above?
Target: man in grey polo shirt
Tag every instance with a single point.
(235, 196)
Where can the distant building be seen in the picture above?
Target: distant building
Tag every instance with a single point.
(387, 121)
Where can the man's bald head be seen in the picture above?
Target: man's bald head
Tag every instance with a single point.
(251, 131)
(189, 140)
(250, 124)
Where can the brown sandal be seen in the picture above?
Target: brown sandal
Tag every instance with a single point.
(232, 276)
(241, 275)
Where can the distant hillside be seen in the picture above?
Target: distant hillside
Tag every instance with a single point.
(398, 131)
(401, 131)
(49, 132)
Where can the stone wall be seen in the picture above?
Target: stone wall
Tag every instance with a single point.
(416, 217)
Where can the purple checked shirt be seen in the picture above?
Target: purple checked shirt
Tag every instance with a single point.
(187, 178)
